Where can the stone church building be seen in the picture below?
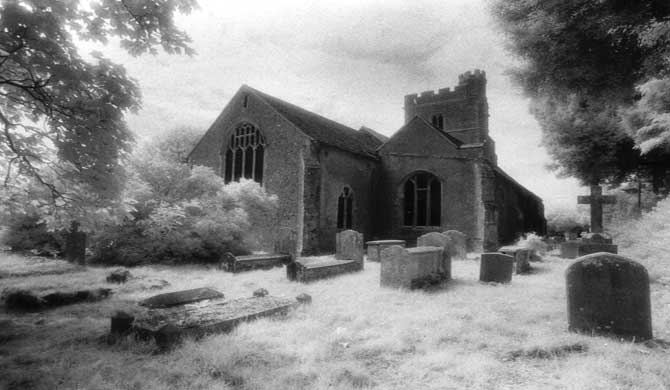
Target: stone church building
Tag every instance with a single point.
(437, 172)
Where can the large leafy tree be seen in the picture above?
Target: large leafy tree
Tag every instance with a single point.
(582, 62)
(63, 135)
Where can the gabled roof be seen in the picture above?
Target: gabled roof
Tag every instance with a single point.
(322, 129)
(455, 141)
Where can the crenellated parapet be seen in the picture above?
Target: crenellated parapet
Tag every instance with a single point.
(470, 84)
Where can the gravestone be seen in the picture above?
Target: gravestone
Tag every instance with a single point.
(584, 246)
(442, 241)
(459, 244)
(169, 325)
(75, 245)
(376, 247)
(410, 268)
(596, 200)
(496, 267)
(349, 246)
(286, 242)
(609, 294)
(522, 257)
(180, 298)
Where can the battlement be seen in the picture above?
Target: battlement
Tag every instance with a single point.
(470, 83)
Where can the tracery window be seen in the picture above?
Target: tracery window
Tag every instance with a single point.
(345, 204)
(244, 156)
(423, 199)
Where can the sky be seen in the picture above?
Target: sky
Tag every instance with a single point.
(350, 61)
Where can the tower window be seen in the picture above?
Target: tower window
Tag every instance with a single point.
(245, 101)
(345, 204)
(244, 155)
(423, 199)
(438, 121)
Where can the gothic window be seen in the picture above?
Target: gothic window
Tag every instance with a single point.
(438, 121)
(244, 156)
(423, 199)
(345, 204)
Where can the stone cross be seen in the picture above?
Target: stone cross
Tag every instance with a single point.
(596, 200)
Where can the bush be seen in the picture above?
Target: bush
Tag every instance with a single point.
(27, 233)
(646, 239)
(533, 241)
(185, 215)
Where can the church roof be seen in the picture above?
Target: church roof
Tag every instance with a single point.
(322, 129)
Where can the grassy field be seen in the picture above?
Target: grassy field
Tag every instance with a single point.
(354, 335)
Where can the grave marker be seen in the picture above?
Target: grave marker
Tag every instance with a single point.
(596, 200)
(496, 267)
(609, 294)
(349, 246)
(439, 240)
(178, 298)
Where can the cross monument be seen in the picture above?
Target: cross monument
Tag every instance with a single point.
(596, 200)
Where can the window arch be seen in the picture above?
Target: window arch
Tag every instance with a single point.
(423, 200)
(244, 156)
(345, 205)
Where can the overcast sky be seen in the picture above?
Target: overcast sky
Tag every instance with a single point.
(351, 61)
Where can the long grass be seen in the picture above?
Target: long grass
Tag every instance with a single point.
(355, 334)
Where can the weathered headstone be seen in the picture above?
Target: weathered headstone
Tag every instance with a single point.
(286, 242)
(376, 247)
(584, 246)
(306, 269)
(304, 298)
(459, 244)
(410, 268)
(442, 241)
(121, 323)
(181, 297)
(609, 294)
(349, 246)
(75, 245)
(522, 257)
(596, 201)
(496, 267)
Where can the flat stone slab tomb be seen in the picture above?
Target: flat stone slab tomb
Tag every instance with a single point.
(522, 257)
(232, 263)
(215, 316)
(310, 269)
(375, 248)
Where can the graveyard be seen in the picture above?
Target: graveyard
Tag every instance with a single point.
(460, 333)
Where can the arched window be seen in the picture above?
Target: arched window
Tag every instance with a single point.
(244, 156)
(423, 200)
(438, 121)
(345, 205)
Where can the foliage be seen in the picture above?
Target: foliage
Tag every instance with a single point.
(648, 119)
(184, 214)
(646, 239)
(176, 144)
(581, 63)
(26, 232)
(533, 241)
(566, 219)
(61, 114)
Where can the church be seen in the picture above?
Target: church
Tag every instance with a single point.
(437, 172)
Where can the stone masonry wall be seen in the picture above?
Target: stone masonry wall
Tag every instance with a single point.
(283, 165)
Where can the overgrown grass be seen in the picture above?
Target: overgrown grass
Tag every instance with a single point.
(354, 335)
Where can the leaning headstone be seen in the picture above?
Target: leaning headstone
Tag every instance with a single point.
(286, 242)
(609, 294)
(496, 267)
(442, 241)
(349, 246)
(459, 244)
(180, 298)
(75, 245)
(376, 247)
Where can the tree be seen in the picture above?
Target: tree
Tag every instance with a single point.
(175, 144)
(582, 62)
(62, 115)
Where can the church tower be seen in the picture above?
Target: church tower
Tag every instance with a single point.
(462, 112)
